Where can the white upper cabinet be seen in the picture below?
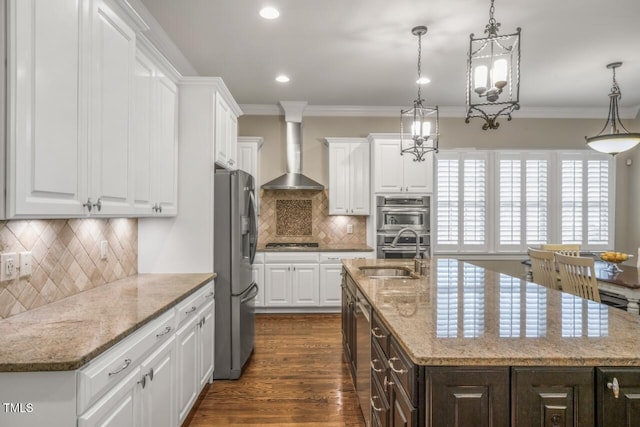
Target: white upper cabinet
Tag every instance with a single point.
(394, 173)
(110, 147)
(46, 115)
(349, 176)
(249, 160)
(226, 134)
(155, 140)
(91, 126)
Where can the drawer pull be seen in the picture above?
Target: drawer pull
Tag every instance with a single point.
(194, 308)
(376, 333)
(373, 366)
(209, 295)
(615, 387)
(393, 368)
(165, 332)
(373, 404)
(387, 383)
(126, 364)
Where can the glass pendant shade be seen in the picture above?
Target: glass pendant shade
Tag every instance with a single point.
(618, 138)
(419, 124)
(493, 75)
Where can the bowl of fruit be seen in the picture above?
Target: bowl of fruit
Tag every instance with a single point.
(613, 259)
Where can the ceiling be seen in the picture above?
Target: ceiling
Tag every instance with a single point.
(362, 52)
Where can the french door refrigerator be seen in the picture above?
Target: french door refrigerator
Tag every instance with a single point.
(235, 240)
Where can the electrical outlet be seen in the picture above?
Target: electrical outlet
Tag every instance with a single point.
(8, 267)
(104, 248)
(349, 228)
(25, 264)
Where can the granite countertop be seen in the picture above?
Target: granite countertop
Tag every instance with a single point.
(461, 314)
(66, 334)
(333, 247)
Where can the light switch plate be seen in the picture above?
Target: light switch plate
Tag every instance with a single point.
(25, 264)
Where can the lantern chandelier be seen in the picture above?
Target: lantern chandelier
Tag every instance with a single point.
(614, 141)
(419, 121)
(493, 74)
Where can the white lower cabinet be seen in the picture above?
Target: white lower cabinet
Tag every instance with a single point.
(195, 351)
(158, 381)
(257, 271)
(303, 280)
(118, 407)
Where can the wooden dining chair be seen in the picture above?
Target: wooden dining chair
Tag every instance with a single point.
(578, 276)
(543, 268)
(564, 249)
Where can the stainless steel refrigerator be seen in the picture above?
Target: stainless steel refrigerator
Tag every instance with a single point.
(235, 240)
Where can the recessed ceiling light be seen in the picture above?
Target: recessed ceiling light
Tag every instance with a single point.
(423, 80)
(282, 78)
(269, 12)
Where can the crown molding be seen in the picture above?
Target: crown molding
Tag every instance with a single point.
(452, 112)
(218, 84)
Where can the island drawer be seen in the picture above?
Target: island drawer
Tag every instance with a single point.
(379, 404)
(380, 333)
(378, 363)
(404, 370)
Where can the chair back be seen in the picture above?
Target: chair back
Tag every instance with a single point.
(564, 249)
(578, 276)
(543, 268)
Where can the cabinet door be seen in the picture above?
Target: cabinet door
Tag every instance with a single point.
(339, 175)
(46, 147)
(463, 397)
(247, 154)
(165, 151)
(143, 128)
(403, 414)
(277, 285)
(206, 344)
(187, 370)
(305, 284)
(388, 167)
(159, 385)
(232, 140)
(258, 277)
(360, 179)
(330, 284)
(113, 58)
(118, 408)
(418, 176)
(623, 410)
(222, 113)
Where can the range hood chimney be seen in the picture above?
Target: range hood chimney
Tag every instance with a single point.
(293, 179)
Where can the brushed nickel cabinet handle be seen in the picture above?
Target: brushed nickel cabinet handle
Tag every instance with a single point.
(615, 387)
(373, 365)
(373, 404)
(376, 333)
(98, 204)
(150, 374)
(393, 368)
(126, 364)
(88, 205)
(164, 332)
(194, 308)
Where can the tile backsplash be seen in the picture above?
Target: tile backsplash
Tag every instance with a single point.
(65, 258)
(285, 216)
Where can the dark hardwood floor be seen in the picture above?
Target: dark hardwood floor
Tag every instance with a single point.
(296, 377)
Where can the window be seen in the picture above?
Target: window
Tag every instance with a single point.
(504, 201)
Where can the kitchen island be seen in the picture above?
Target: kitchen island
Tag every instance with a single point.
(468, 347)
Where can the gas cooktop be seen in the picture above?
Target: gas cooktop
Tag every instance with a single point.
(291, 245)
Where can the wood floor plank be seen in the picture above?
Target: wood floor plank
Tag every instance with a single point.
(295, 377)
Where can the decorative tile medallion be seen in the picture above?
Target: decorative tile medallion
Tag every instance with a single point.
(294, 217)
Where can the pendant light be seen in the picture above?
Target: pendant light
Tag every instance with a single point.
(615, 141)
(419, 124)
(493, 74)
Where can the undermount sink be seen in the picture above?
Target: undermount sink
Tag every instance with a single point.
(383, 272)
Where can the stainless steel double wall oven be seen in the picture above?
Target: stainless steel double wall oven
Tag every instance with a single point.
(394, 213)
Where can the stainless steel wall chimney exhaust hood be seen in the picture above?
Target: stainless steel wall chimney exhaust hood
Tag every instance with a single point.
(293, 179)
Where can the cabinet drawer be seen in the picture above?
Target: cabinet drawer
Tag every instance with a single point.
(380, 334)
(379, 365)
(102, 373)
(337, 257)
(405, 372)
(189, 307)
(291, 257)
(379, 404)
